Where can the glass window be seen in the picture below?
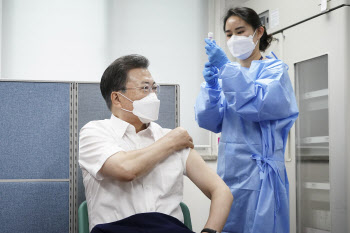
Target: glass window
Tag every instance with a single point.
(312, 146)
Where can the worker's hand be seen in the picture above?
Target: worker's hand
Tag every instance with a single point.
(179, 139)
(216, 55)
(210, 74)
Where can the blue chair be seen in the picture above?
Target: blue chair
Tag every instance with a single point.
(83, 218)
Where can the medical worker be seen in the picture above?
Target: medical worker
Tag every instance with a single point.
(252, 104)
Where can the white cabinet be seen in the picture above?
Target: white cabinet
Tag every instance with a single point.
(316, 52)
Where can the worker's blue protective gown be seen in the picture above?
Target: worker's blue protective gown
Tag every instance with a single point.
(254, 109)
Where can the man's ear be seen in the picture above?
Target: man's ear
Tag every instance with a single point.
(115, 100)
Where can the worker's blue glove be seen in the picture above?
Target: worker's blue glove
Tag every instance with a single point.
(210, 74)
(216, 55)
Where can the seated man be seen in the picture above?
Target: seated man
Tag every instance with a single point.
(133, 168)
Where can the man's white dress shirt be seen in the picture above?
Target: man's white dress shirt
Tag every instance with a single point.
(110, 200)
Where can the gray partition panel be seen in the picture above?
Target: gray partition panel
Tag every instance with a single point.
(168, 106)
(91, 106)
(34, 135)
(39, 207)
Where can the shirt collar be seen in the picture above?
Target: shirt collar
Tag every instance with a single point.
(120, 127)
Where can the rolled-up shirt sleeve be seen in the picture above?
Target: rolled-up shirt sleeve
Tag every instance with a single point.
(185, 153)
(95, 147)
(178, 156)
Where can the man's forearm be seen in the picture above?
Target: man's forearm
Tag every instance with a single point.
(139, 162)
(221, 201)
(213, 187)
(126, 166)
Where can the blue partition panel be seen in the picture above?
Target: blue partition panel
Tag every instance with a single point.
(40, 207)
(34, 135)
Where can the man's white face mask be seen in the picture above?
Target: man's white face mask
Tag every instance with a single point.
(147, 108)
(241, 47)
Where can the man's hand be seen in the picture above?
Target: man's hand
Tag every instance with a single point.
(178, 139)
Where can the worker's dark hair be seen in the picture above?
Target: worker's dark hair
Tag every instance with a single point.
(252, 18)
(116, 75)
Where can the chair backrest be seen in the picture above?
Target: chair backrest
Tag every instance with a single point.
(187, 215)
(83, 218)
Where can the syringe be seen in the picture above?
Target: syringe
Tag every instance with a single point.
(210, 35)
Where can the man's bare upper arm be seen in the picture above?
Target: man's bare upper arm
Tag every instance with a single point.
(201, 174)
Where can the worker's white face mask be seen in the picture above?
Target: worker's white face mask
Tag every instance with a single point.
(147, 108)
(241, 47)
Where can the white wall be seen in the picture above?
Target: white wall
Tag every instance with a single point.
(67, 40)
(54, 40)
